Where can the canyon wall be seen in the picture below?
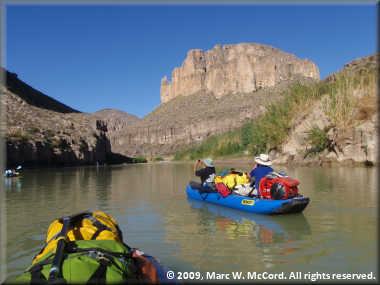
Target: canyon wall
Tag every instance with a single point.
(39, 131)
(187, 121)
(240, 68)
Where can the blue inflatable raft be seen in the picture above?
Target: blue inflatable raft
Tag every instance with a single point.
(252, 205)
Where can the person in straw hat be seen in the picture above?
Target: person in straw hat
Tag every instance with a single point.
(261, 169)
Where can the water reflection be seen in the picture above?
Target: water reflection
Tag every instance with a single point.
(13, 183)
(261, 228)
(255, 241)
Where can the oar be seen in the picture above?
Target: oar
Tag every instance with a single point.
(61, 243)
(18, 168)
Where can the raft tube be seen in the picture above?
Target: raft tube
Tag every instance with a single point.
(252, 205)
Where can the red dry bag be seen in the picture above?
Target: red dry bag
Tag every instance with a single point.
(287, 185)
(223, 189)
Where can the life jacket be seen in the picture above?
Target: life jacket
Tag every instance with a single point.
(278, 188)
(94, 254)
(210, 180)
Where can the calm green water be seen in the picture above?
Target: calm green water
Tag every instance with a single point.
(336, 234)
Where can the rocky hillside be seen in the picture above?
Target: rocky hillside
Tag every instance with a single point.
(240, 68)
(356, 144)
(187, 121)
(115, 119)
(42, 132)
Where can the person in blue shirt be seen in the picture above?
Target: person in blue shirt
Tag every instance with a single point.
(10, 172)
(261, 169)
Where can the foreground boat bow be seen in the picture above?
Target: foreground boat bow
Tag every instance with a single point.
(88, 248)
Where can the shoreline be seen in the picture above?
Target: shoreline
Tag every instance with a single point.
(232, 162)
(250, 161)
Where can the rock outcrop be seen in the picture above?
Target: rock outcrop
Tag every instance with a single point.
(358, 145)
(42, 132)
(240, 68)
(115, 119)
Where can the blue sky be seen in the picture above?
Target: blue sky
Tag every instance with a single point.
(91, 57)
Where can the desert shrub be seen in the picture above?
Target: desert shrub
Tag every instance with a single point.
(317, 138)
(178, 156)
(21, 136)
(341, 104)
(158, 159)
(184, 154)
(272, 129)
(34, 129)
(368, 104)
(226, 144)
(139, 160)
(229, 148)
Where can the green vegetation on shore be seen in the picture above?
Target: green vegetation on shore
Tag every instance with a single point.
(140, 160)
(349, 100)
(224, 145)
(157, 159)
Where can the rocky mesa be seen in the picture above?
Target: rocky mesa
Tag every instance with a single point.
(240, 68)
(212, 93)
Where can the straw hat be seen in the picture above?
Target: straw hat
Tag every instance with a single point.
(263, 159)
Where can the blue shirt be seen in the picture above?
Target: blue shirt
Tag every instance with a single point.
(260, 172)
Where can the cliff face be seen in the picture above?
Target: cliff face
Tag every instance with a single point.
(42, 132)
(115, 119)
(187, 121)
(240, 68)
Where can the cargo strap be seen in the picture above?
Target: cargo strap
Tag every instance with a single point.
(99, 225)
(35, 271)
(109, 255)
(114, 254)
(98, 277)
(89, 215)
(204, 198)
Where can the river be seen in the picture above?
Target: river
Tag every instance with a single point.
(336, 234)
